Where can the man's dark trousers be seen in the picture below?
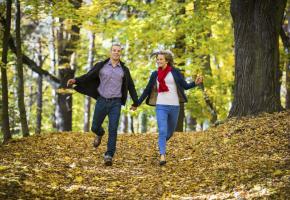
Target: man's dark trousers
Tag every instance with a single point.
(112, 108)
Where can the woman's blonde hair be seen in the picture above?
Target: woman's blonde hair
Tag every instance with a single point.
(168, 55)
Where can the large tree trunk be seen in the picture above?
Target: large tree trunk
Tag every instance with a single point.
(20, 89)
(256, 29)
(4, 82)
(66, 71)
(90, 64)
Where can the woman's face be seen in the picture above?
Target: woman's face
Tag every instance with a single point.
(160, 60)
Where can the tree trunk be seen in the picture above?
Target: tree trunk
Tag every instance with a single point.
(256, 29)
(39, 105)
(20, 89)
(30, 101)
(52, 55)
(4, 82)
(39, 92)
(66, 72)
(131, 123)
(90, 64)
(143, 123)
(66, 49)
(124, 123)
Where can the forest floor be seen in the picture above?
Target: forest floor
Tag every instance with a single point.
(240, 159)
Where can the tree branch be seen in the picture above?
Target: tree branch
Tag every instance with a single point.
(53, 80)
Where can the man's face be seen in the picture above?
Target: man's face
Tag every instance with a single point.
(116, 53)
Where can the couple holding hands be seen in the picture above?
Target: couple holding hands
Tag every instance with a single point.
(109, 82)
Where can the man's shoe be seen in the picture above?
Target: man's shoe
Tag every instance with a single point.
(108, 160)
(97, 141)
(162, 160)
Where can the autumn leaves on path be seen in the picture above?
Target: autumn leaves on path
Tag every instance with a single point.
(241, 158)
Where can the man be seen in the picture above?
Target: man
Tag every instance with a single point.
(108, 82)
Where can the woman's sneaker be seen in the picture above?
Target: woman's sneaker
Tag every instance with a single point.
(162, 160)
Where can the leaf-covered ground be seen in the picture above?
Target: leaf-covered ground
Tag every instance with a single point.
(241, 159)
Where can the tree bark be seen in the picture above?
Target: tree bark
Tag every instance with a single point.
(4, 82)
(90, 64)
(256, 29)
(66, 72)
(20, 89)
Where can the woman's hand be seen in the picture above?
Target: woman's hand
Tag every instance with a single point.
(198, 80)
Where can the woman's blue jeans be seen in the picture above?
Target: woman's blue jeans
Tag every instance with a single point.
(167, 116)
(112, 108)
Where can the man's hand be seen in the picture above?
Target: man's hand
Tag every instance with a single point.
(199, 80)
(71, 82)
(133, 108)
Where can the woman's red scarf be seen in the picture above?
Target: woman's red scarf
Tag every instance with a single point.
(161, 76)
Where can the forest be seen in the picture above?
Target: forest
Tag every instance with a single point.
(240, 48)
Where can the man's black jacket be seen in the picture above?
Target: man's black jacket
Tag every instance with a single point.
(88, 83)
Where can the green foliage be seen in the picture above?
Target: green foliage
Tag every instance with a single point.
(143, 28)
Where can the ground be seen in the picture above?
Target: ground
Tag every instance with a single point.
(240, 159)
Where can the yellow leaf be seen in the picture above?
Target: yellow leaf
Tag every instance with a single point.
(2, 168)
(277, 172)
(109, 190)
(79, 179)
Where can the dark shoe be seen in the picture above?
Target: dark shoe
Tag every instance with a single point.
(108, 160)
(162, 160)
(97, 141)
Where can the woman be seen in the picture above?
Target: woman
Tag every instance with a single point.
(165, 89)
